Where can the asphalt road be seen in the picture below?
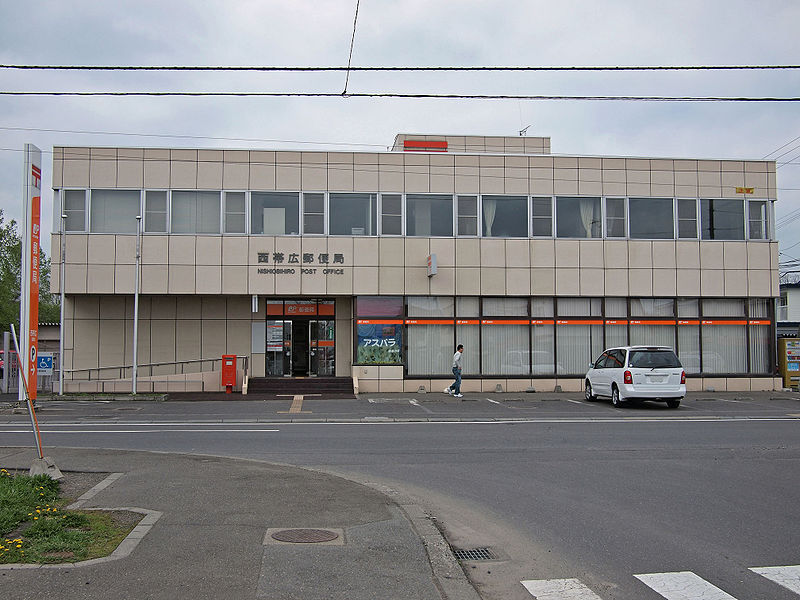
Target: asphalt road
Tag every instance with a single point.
(555, 487)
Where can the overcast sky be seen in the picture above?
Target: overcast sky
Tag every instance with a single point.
(408, 33)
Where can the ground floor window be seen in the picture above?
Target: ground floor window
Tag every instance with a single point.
(546, 337)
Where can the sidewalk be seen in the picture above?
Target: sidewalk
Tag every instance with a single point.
(210, 540)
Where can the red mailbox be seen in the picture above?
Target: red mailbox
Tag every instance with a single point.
(228, 372)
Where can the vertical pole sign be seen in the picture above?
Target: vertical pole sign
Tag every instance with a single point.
(29, 297)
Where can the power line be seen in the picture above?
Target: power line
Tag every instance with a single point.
(395, 68)
(352, 43)
(419, 96)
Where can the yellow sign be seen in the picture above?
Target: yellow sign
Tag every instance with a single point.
(744, 190)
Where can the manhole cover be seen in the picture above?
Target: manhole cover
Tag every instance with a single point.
(304, 536)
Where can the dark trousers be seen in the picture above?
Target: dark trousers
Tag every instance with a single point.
(456, 385)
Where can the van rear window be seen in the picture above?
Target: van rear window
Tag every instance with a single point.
(652, 359)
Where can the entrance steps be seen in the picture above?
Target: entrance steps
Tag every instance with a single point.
(301, 385)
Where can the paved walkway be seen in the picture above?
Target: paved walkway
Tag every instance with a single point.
(209, 541)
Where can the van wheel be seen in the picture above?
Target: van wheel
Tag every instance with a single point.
(674, 403)
(615, 399)
(590, 397)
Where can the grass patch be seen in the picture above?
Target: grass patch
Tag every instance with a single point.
(34, 528)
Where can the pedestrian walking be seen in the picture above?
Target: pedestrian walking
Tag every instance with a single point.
(455, 388)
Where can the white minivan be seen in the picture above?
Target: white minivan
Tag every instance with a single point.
(637, 372)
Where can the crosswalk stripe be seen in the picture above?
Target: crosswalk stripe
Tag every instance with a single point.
(683, 585)
(559, 589)
(788, 577)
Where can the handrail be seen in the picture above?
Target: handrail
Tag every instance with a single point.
(121, 368)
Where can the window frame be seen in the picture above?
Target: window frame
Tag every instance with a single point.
(401, 216)
(66, 211)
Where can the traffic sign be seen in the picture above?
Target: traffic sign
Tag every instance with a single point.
(44, 363)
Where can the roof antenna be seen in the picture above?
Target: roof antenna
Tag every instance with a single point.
(524, 130)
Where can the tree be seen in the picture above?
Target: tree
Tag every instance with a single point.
(10, 264)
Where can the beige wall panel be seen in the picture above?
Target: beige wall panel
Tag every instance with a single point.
(390, 174)
(468, 281)
(614, 176)
(493, 253)
(640, 282)
(75, 279)
(616, 282)
(156, 171)
(208, 279)
(181, 279)
(568, 282)
(592, 282)
(209, 173)
(164, 308)
(208, 250)
(314, 283)
(517, 253)
(516, 179)
(732, 166)
(709, 178)
(240, 307)
(392, 252)
(314, 246)
(567, 253)
(565, 162)
(734, 255)
(259, 283)
(111, 350)
(155, 279)
(443, 182)
(755, 180)
(343, 246)
(614, 189)
(712, 282)
(365, 280)
(188, 339)
(76, 167)
(640, 254)
(665, 282)
(58, 168)
(234, 251)
(637, 177)
(416, 252)
(155, 249)
(468, 252)
(287, 171)
(467, 182)
(759, 282)
(341, 284)
(236, 175)
(776, 285)
(77, 247)
(686, 178)
(445, 251)
(365, 252)
(662, 164)
(711, 255)
(258, 244)
(493, 281)
(100, 279)
(142, 342)
(366, 177)
(237, 338)
(86, 343)
(416, 182)
(125, 249)
(664, 255)
(733, 179)
(687, 254)
(735, 282)
(101, 249)
(262, 170)
(518, 282)
(638, 189)
(340, 175)
(590, 162)
(130, 168)
(543, 253)
(491, 172)
(390, 386)
(182, 249)
(183, 169)
(637, 164)
(543, 281)
(588, 188)
(391, 280)
(417, 281)
(590, 175)
(758, 255)
(214, 339)
(86, 307)
(288, 284)
(615, 254)
(662, 191)
(441, 284)
(563, 187)
(773, 247)
(591, 253)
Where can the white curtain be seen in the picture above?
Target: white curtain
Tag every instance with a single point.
(760, 340)
(576, 347)
(587, 214)
(430, 349)
(689, 347)
(724, 348)
(653, 335)
(504, 349)
(489, 211)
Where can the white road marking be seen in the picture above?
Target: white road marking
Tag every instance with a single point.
(683, 585)
(788, 577)
(494, 401)
(415, 402)
(574, 401)
(559, 589)
(72, 431)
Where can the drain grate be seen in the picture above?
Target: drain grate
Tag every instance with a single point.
(305, 536)
(474, 554)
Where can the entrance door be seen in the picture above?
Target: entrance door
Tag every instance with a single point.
(279, 348)
(322, 348)
(300, 338)
(300, 348)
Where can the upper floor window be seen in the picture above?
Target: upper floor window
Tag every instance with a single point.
(75, 210)
(195, 212)
(578, 217)
(651, 218)
(314, 213)
(505, 216)
(722, 219)
(543, 217)
(687, 218)
(155, 211)
(615, 218)
(757, 219)
(353, 214)
(275, 213)
(467, 215)
(391, 214)
(429, 215)
(114, 211)
(235, 215)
